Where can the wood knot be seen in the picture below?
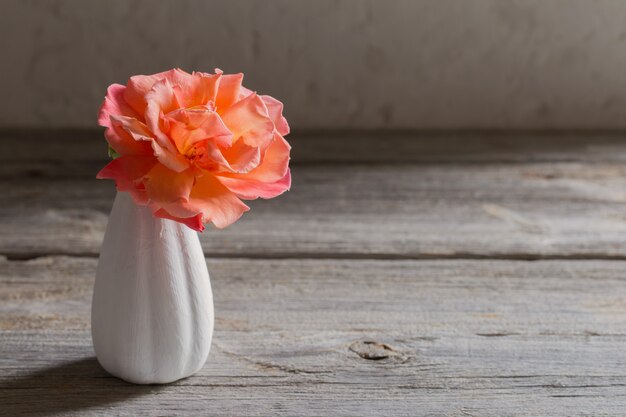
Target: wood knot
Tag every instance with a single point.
(371, 350)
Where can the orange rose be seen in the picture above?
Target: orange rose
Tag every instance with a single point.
(191, 146)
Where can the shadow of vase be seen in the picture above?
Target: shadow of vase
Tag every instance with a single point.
(71, 387)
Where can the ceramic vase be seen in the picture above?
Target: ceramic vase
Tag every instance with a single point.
(152, 309)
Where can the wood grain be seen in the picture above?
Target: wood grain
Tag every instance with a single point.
(458, 338)
(435, 274)
(528, 211)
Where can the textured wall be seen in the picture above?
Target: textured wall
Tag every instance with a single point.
(350, 63)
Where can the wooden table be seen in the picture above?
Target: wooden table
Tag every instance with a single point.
(404, 274)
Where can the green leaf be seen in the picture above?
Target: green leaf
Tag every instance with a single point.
(112, 153)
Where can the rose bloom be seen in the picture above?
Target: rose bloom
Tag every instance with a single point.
(192, 146)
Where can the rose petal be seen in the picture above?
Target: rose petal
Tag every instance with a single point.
(194, 89)
(273, 166)
(248, 120)
(244, 92)
(197, 89)
(190, 126)
(127, 168)
(161, 99)
(140, 133)
(215, 201)
(115, 105)
(138, 130)
(250, 190)
(241, 157)
(123, 142)
(228, 92)
(165, 186)
(275, 110)
(194, 222)
(127, 172)
(137, 87)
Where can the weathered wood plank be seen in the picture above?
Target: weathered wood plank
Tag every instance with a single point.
(487, 338)
(537, 210)
(465, 337)
(72, 152)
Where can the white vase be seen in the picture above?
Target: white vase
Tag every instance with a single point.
(152, 310)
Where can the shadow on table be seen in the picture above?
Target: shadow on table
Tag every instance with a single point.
(70, 387)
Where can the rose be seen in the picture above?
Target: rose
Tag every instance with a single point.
(191, 146)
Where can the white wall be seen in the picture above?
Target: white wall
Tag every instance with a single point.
(350, 63)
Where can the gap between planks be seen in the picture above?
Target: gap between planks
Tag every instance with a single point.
(354, 256)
